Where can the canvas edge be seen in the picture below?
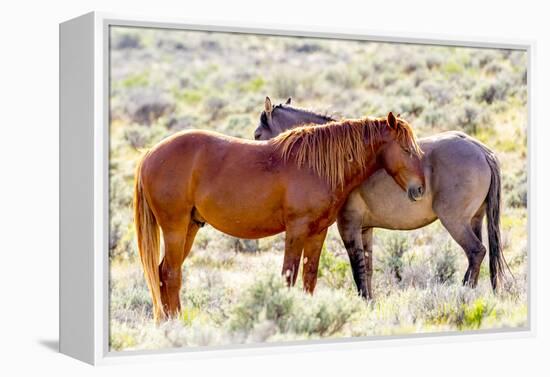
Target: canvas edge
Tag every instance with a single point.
(102, 21)
(76, 179)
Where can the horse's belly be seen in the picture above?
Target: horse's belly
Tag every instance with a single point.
(243, 229)
(241, 219)
(389, 207)
(407, 217)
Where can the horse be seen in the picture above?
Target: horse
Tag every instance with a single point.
(463, 184)
(296, 183)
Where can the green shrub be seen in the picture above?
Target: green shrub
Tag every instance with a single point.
(241, 245)
(140, 137)
(214, 106)
(182, 123)
(284, 85)
(515, 186)
(291, 310)
(437, 92)
(475, 313)
(136, 80)
(269, 299)
(411, 107)
(132, 301)
(304, 47)
(334, 271)
(122, 338)
(453, 68)
(433, 61)
(470, 118)
(443, 304)
(326, 313)
(239, 126)
(126, 40)
(344, 76)
(434, 118)
(443, 262)
(137, 136)
(122, 242)
(146, 106)
(255, 85)
(493, 91)
(191, 97)
(395, 245)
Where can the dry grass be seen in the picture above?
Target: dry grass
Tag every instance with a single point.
(164, 81)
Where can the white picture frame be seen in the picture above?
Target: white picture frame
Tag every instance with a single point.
(84, 140)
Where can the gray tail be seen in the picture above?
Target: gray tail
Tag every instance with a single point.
(496, 259)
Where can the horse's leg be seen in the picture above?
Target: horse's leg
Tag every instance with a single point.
(294, 244)
(349, 226)
(464, 234)
(477, 222)
(176, 249)
(312, 252)
(367, 236)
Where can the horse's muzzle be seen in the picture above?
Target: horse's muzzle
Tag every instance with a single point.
(415, 193)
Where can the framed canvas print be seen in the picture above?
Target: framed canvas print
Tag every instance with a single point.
(226, 187)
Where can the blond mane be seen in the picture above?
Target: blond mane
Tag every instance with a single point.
(328, 149)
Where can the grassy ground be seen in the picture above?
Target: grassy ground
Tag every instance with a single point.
(164, 81)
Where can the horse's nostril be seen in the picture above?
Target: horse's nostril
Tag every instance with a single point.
(415, 193)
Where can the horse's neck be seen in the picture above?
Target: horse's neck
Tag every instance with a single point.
(356, 174)
(319, 119)
(307, 118)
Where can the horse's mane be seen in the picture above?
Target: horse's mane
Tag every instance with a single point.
(327, 149)
(330, 117)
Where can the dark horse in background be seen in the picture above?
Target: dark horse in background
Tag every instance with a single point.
(462, 185)
(294, 183)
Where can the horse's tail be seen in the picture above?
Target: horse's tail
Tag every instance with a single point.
(493, 201)
(148, 237)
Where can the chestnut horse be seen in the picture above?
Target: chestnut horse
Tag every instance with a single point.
(295, 183)
(462, 185)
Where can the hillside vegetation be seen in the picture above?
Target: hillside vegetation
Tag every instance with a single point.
(164, 81)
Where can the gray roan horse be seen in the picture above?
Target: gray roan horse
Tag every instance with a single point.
(462, 185)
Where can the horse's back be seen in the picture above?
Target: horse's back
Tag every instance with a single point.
(457, 162)
(233, 184)
(457, 181)
(461, 174)
(182, 149)
(173, 157)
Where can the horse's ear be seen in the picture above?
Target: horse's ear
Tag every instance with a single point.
(392, 122)
(288, 101)
(268, 106)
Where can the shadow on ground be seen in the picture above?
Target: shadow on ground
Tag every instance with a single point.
(52, 345)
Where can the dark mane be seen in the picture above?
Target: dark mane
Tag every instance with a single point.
(324, 116)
